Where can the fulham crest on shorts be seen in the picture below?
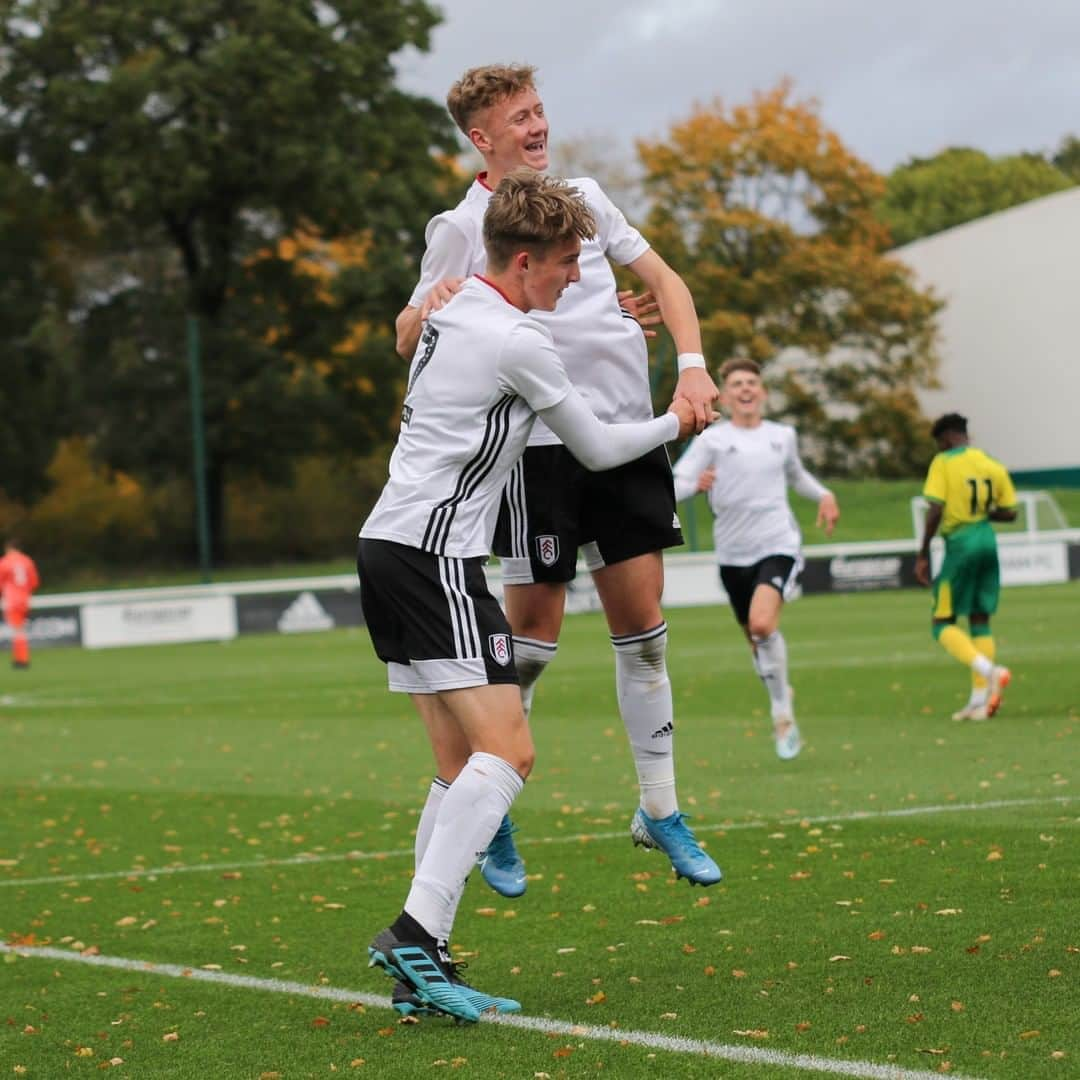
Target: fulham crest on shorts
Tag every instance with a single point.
(501, 650)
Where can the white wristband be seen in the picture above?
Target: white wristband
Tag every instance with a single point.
(689, 360)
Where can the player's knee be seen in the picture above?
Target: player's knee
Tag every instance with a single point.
(523, 757)
(939, 625)
(761, 627)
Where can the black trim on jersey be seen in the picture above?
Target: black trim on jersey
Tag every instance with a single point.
(496, 432)
(514, 494)
(429, 339)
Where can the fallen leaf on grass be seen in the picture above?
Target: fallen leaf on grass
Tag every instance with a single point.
(171, 1036)
(597, 999)
(838, 957)
(1030, 1034)
(752, 1033)
(930, 1050)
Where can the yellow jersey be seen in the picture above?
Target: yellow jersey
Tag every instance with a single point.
(969, 484)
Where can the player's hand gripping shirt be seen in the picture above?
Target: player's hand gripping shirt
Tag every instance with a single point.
(752, 518)
(601, 346)
(968, 484)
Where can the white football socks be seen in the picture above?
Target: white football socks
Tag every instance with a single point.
(530, 658)
(471, 810)
(770, 662)
(644, 693)
(426, 824)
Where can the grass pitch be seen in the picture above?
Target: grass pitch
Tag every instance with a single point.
(229, 825)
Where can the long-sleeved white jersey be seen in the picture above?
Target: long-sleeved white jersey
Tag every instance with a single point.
(754, 466)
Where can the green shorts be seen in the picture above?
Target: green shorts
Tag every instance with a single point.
(969, 580)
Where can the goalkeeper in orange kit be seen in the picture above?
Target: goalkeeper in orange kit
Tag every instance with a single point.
(18, 580)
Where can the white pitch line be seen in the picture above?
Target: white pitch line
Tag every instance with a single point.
(575, 838)
(746, 1055)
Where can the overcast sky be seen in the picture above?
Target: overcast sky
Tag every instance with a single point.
(894, 78)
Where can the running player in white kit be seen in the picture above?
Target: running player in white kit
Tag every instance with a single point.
(623, 518)
(482, 374)
(746, 466)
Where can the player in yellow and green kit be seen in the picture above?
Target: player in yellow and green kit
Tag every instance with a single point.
(966, 490)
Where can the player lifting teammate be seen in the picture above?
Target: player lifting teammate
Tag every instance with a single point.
(622, 519)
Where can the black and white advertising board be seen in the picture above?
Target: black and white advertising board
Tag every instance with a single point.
(307, 605)
(299, 612)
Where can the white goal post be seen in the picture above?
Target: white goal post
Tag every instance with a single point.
(1038, 512)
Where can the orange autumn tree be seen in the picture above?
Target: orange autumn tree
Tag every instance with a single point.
(770, 220)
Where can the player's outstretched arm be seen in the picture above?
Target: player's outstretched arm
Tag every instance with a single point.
(680, 317)
(600, 446)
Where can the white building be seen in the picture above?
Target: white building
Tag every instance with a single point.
(1010, 342)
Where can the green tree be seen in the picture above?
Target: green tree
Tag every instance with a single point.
(926, 195)
(193, 135)
(37, 247)
(1067, 158)
(770, 220)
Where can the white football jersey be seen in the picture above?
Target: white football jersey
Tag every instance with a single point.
(752, 518)
(602, 346)
(481, 371)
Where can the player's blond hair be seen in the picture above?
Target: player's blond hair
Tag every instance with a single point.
(481, 87)
(532, 212)
(738, 363)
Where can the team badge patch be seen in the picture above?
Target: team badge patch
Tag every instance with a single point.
(499, 647)
(547, 549)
